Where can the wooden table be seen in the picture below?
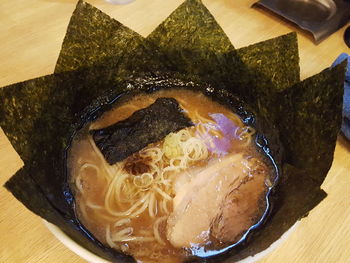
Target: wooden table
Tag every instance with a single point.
(31, 33)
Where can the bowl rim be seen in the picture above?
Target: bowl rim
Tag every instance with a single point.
(92, 258)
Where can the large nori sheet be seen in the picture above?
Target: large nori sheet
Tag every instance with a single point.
(149, 125)
(92, 37)
(192, 39)
(260, 71)
(276, 58)
(310, 115)
(98, 44)
(37, 115)
(40, 112)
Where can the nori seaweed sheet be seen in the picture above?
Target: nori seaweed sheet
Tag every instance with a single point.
(47, 106)
(93, 37)
(149, 125)
(310, 147)
(260, 71)
(98, 44)
(192, 39)
(276, 58)
(40, 112)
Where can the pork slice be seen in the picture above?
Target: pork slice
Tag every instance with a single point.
(240, 210)
(199, 194)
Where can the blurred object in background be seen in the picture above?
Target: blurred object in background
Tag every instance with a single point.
(120, 2)
(347, 36)
(320, 17)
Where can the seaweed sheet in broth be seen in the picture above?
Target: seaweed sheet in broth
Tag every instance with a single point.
(224, 171)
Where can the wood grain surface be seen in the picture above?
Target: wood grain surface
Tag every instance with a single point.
(31, 33)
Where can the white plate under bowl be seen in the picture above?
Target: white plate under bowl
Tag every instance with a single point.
(92, 258)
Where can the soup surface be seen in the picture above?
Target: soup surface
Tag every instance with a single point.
(195, 192)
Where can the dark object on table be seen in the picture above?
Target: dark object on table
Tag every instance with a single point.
(347, 36)
(345, 128)
(320, 17)
(145, 126)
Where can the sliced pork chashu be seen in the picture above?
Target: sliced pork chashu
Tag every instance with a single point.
(216, 202)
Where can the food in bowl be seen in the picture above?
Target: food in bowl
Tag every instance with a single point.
(191, 182)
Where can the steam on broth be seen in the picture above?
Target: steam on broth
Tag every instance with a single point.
(200, 187)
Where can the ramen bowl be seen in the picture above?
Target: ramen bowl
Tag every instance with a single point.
(263, 75)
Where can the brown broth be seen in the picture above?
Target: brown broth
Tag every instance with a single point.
(223, 141)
